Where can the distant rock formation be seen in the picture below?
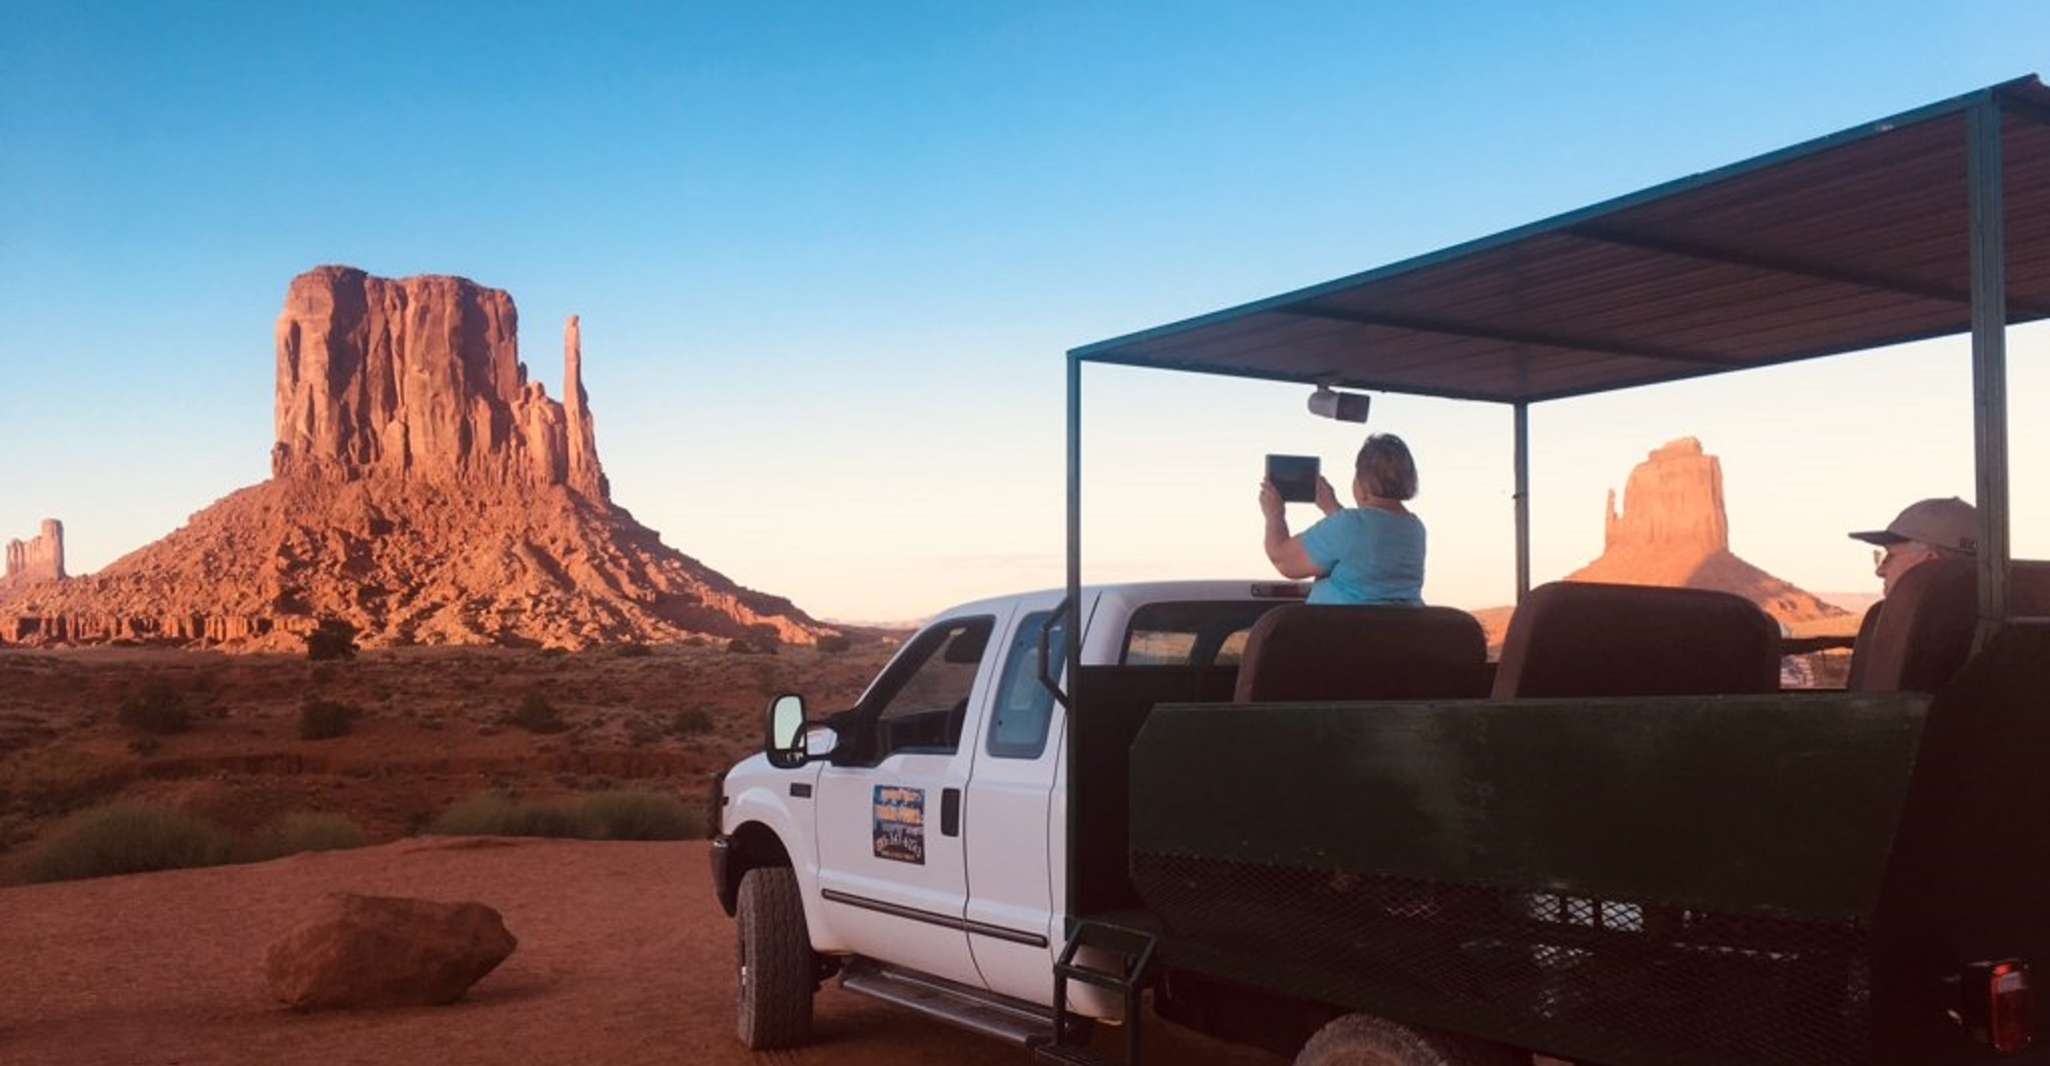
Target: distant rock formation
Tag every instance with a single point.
(423, 491)
(1673, 530)
(40, 558)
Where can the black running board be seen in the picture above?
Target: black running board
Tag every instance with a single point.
(973, 1009)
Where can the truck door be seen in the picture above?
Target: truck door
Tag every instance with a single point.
(891, 864)
(1008, 824)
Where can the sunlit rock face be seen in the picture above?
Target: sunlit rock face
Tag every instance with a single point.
(423, 490)
(421, 378)
(1673, 530)
(39, 558)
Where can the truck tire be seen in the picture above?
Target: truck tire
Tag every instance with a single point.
(1363, 1040)
(774, 965)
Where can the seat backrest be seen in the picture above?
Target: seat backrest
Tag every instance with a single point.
(1917, 639)
(1303, 652)
(1581, 638)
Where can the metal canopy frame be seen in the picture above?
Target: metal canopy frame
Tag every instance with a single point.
(1992, 306)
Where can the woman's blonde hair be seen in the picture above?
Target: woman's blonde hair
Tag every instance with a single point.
(1385, 467)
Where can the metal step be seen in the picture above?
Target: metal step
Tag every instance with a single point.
(972, 1009)
(1068, 1055)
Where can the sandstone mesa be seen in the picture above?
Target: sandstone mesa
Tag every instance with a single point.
(423, 489)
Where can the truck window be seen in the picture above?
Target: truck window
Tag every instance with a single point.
(1024, 707)
(1190, 634)
(925, 712)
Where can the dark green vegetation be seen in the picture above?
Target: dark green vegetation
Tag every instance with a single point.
(331, 639)
(126, 838)
(536, 715)
(612, 815)
(157, 708)
(321, 719)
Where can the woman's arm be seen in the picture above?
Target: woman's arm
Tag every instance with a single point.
(1287, 553)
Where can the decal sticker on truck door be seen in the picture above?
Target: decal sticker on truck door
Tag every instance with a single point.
(900, 824)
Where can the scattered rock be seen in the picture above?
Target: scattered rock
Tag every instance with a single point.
(385, 951)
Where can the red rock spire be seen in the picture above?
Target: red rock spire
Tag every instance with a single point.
(585, 473)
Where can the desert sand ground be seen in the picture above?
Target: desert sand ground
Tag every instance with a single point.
(624, 958)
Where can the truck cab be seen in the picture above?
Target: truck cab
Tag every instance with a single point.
(922, 831)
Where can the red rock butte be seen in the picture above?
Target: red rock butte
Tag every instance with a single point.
(1674, 531)
(423, 490)
(40, 558)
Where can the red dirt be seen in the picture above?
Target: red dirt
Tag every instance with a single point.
(624, 958)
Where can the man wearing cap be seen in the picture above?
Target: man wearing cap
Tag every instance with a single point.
(1928, 529)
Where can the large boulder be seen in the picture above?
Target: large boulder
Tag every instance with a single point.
(383, 951)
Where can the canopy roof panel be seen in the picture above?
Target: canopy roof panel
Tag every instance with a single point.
(1851, 241)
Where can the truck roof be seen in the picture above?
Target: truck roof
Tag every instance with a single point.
(1850, 241)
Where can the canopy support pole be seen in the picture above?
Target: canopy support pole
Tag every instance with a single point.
(1522, 498)
(1073, 679)
(1983, 173)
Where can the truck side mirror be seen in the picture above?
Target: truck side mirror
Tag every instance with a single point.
(786, 742)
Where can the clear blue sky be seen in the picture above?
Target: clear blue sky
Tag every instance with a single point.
(828, 257)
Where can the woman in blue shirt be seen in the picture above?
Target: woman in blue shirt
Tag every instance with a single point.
(1373, 553)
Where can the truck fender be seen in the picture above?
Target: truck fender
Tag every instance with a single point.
(766, 832)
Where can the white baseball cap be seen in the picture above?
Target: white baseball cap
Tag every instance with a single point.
(1942, 523)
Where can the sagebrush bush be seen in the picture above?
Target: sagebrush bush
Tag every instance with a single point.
(628, 815)
(158, 708)
(303, 831)
(749, 646)
(498, 814)
(834, 643)
(537, 715)
(128, 838)
(616, 815)
(331, 639)
(690, 722)
(321, 719)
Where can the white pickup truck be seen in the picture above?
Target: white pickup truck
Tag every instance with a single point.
(916, 843)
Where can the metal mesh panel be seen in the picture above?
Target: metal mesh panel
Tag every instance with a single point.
(1621, 982)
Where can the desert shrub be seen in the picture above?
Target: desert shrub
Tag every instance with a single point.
(158, 708)
(498, 814)
(321, 719)
(331, 639)
(127, 838)
(749, 646)
(834, 643)
(625, 815)
(693, 641)
(690, 722)
(641, 732)
(609, 815)
(631, 651)
(303, 831)
(537, 715)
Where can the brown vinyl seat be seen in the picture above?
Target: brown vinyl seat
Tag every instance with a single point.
(1303, 652)
(1917, 639)
(1581, 638)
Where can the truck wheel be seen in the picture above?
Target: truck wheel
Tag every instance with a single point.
(1362, 1040)
(774, 962)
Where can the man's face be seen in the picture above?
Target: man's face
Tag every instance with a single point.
(1894, 560)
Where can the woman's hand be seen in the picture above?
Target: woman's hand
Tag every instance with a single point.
(1327, 497)
(1270, 499)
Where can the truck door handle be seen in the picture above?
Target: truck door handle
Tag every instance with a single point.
(950, 812)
